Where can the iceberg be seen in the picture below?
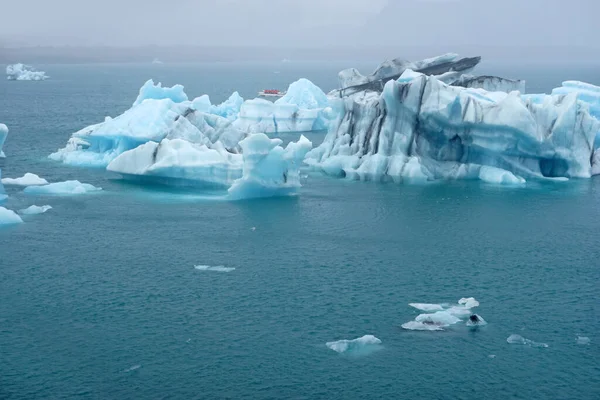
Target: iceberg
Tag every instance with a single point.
(263, 169)
(9, 217)
(157, 92)
(217, 268)
(305, 107)
(440, 316)
(518, 339)
(62, 188)
(32, 210)
(28, 179)
(3, 135)
(361, 345)
(585, 92)
(583, 340)
(269, 169)
(422, 129)
(490, 83)
(22, 72)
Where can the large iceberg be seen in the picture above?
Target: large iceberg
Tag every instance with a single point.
(263, 169)
(303, 108)
(420, 128)
(3, 135)
(22, 72)
(166, 138)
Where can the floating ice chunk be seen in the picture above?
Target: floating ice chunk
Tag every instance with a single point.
(180, 159)
(441, 318)
(9, 217)
(133, 368)
(422, 326)
(269, 170)
(151, 91)
(362, 345)
(583, 340)
(518, 339)
(499, 176)
(62, 188)
(3, 135)
(469, 302)
(32, 210)
(28, 179)
(427, 307)
(217, 268)
(492, 356)
(3, 195)
(22, 72)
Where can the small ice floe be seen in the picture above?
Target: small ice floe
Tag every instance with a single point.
(440, 316)
(28, 179)
(9, 217)
(216, 268)
(62, 188)
(32, 210)
(360, 346)
(583, 340)
(518, 339)
(253, 228)
(492, 356)
(133, 368)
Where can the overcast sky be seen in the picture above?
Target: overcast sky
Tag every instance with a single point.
(301, 23)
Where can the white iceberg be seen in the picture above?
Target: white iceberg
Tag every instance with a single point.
(361, 345)
(269, 169)
(305, 107)
(62, 188)
(263, 169)
(157, 92)
(28, 179)
(518, 339)
(9, 217)
(216, 268)
(33, 210)
(3, 135)
(440, 316)
(583, 340)
(22, 72)
(422, 129)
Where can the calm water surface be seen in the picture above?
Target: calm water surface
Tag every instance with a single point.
(99, 297)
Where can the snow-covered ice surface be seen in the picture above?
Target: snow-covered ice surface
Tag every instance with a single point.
(360, 346)
(28, 179)
(216, 268)
(518, 339)
(22, 72)
(9, 217)
(440, 316)
(32, 210)
(421, 129)
(62, 188)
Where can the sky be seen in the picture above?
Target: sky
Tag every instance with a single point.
(301, 23)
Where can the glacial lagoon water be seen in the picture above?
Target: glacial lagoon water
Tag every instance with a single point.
(100, 297)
